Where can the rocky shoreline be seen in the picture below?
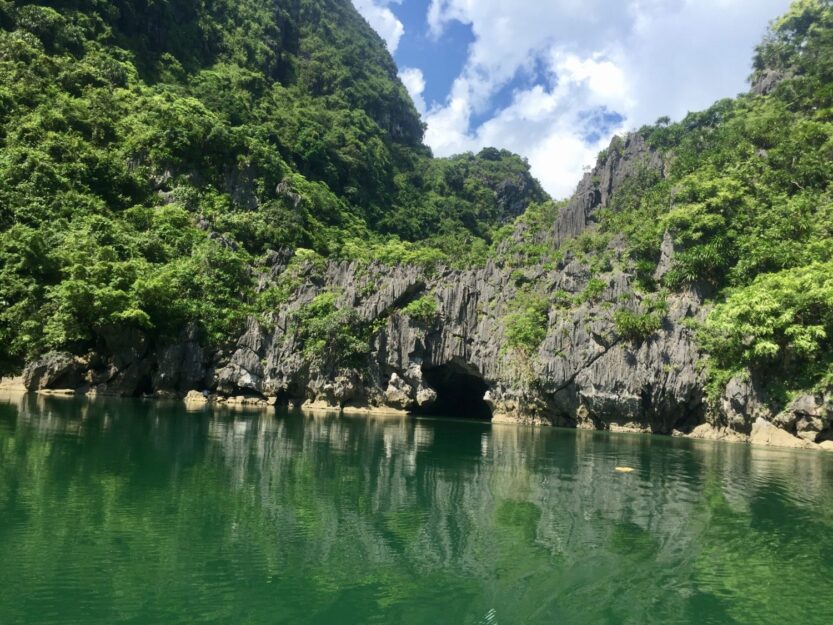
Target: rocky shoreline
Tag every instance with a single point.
(763, 432)
(456, 359)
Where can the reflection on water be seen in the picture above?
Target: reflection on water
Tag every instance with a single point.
(136, 512)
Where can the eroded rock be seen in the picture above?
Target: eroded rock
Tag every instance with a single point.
(807, 416)
(769, 435)
(55, 370)
(583, 373)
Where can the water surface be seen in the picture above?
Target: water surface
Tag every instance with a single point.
(143, 513)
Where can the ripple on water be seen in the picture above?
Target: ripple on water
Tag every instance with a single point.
(128, 512)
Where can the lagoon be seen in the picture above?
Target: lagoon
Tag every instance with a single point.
(139, 512)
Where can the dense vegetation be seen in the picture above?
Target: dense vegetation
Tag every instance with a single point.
(156, 154)
(749, 205)
(152, 153)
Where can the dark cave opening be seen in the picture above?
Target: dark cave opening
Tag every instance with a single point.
(144, 386)
(460, 390)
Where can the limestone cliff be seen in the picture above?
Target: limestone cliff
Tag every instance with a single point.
(585, 373)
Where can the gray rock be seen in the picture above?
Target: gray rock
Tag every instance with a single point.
(807, 416)
(666, 261)
(766, 434)
(582, 373)
(425, 397)
(181, 366)
(131, 381)
(623, 159)
(399, 394)
(196, 398)
(765, 81)
(55, 370)
(742, 403)
(245, 369)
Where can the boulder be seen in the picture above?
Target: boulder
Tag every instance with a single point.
(196, 397)
(54, 370)
(425, 397)
(766, 434)
(710, 432)
(807, 416)
(399, 394)
(742, 403)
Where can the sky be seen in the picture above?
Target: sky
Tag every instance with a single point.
(555, 80)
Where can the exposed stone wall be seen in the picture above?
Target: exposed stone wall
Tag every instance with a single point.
(584, 373)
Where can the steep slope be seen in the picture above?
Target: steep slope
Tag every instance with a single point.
(685, 287)
(744, 214)
(153, 152)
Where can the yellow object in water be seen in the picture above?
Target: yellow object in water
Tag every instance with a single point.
(625, 469)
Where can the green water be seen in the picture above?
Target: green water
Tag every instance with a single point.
(135, 512)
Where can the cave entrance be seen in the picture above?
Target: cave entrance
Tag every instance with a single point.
(460, 389)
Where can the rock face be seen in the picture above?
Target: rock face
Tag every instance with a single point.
(126, 365)
(624, 158)
(809, 417)
(55, 370)
(584, 373)
(768, 435)
(766, 80)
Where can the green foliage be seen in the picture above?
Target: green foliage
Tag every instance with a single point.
(782, 322)
(446, 199)
(637, 327)
(525, 244)
(592, 292)
(392, 251)
(151, 152)
(330, 333)
(745, 197)
(800, 45)
(62, 288)
(423, 309)
(526, 325)
(563, 299)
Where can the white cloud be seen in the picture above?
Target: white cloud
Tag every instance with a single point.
(414, 82)
(639, 58)
(684, 60)
(603, 78)
(548, 125)
(382, 19)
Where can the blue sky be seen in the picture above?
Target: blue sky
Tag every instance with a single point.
(554, 80)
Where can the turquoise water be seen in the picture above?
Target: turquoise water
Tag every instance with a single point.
(144, 513)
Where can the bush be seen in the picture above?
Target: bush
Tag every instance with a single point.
(423, 309)
(526, 326)
(781, 323)
(331, 334)
(636, 327)
(592, 291)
